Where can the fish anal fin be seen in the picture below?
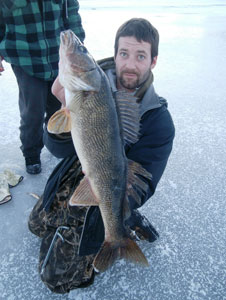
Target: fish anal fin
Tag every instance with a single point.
(111, 251)
(60, 122)
(83, 195)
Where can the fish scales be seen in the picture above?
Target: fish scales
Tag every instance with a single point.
(97, 137)
(91, 129)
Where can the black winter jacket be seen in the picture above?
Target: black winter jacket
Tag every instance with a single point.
(152, 151)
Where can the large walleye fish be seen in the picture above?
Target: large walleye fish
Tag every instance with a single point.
(99, 125)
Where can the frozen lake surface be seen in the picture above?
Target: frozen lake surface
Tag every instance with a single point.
(188, 208)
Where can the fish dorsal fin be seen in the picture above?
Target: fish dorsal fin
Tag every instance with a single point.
(83, 195)
(129, 114)
(135, 185)
(60, 122)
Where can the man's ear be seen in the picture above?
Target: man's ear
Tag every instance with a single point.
(154, 62)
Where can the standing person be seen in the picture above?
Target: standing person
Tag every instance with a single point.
(136, 53)
(29, 41)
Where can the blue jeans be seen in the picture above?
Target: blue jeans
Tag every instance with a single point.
(36, 104)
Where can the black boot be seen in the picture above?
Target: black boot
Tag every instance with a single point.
(142, 227)
(33, 165)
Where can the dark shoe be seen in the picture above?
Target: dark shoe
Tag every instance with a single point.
(33, 165)
(142, 227)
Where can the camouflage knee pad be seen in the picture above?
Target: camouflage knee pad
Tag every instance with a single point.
(60, 267)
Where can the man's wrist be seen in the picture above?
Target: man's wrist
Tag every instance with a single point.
(1, 65)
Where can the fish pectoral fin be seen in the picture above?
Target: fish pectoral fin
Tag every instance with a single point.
(83, 195)
(135, 185)
(60, 122)
(111, 251)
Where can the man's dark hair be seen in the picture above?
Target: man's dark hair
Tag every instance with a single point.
(142, 30)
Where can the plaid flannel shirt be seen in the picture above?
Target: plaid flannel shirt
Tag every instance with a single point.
(30, 38)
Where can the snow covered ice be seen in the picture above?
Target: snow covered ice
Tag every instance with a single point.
(188, 209)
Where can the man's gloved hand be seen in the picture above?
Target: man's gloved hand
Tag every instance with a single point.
(142, 227)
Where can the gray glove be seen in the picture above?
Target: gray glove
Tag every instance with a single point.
(8, 179)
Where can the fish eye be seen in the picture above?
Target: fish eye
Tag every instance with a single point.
(82, 49)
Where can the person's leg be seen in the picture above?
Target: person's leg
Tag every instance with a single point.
(32, 104)
(56, 220)
(52, 104)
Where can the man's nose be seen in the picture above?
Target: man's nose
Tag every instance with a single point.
(130, 63)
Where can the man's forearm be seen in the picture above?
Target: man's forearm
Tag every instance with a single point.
(73, 19)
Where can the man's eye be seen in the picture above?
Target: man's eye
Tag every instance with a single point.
(123, 54)
(141, 57)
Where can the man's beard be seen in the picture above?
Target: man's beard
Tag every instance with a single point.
(132, 84)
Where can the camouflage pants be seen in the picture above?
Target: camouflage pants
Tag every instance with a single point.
(65, 269)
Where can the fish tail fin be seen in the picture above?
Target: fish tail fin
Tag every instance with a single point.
(111, 251)
(132, 252)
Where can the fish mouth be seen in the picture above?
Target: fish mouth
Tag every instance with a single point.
(72, 45)
(69, 39)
